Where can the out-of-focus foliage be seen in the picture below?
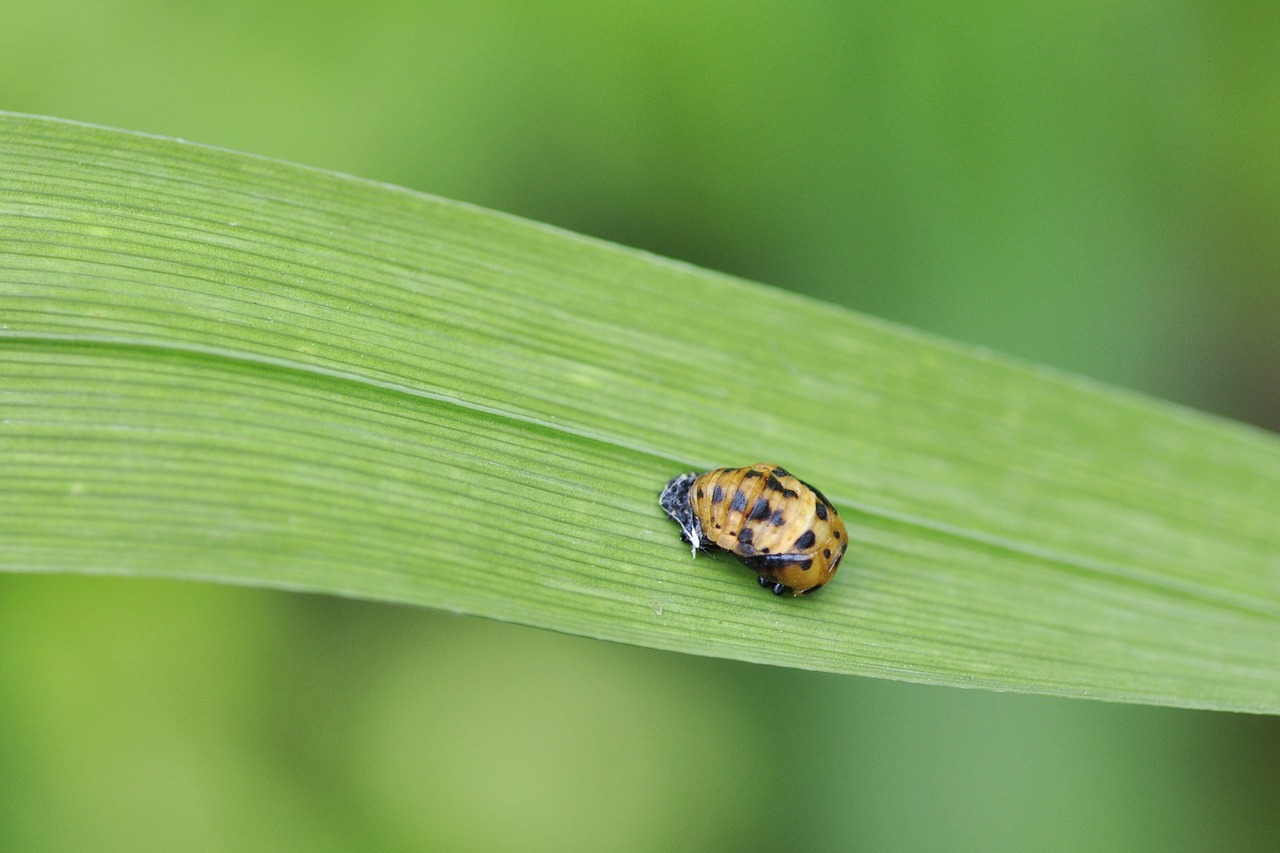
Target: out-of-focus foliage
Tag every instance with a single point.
(1096, 186)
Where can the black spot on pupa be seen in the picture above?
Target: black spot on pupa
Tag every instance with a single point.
(836, 533)
(806, 540)
(806, 565)
(717, 495)
(746, 550)
(746, 536)
(776, 519)
(760, 509)
(826, 552)
(764, 550)
(821, 497)
(782, 472)
(739, 502)
(839, 556)
(753, 473)
(699, 494)
(820, 510)
(774, 483)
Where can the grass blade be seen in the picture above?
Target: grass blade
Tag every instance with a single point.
(222, 367)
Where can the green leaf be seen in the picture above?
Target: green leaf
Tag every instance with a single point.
(222, 367)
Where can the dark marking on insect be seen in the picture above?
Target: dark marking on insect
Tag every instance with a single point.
(760, 509)
(774, 562)
(774, 483)
(820, 510)
(776, 519)
(717, 494)
(806, 540)
(753, 473)
(821, 497)
(826, 552)
(739, 502)
(746, 535)
(775, 588)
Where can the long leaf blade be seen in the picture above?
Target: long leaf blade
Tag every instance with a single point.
(223, 367)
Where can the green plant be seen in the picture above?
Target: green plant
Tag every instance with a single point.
(223, 367)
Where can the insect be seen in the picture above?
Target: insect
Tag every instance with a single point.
(778, 525)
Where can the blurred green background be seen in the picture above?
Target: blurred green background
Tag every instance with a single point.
(1095, 186)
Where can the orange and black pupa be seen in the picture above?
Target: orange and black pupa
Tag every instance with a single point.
(779, 526)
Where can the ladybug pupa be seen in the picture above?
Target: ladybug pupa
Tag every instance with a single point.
(780, 527)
